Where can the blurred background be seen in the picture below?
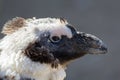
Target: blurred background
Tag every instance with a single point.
(98, 17)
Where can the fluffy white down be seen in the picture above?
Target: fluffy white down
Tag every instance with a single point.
(14, 62)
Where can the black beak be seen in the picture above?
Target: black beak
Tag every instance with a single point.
(89, 43)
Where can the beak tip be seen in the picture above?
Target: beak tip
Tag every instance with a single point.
(104, 48)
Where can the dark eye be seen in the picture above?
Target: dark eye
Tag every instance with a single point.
(55, 39)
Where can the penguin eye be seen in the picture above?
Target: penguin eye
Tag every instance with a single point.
(55, 39)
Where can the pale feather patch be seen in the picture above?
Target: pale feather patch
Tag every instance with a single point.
(55, 26)
(13, 25)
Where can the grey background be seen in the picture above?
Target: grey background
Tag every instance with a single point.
(98, 17)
